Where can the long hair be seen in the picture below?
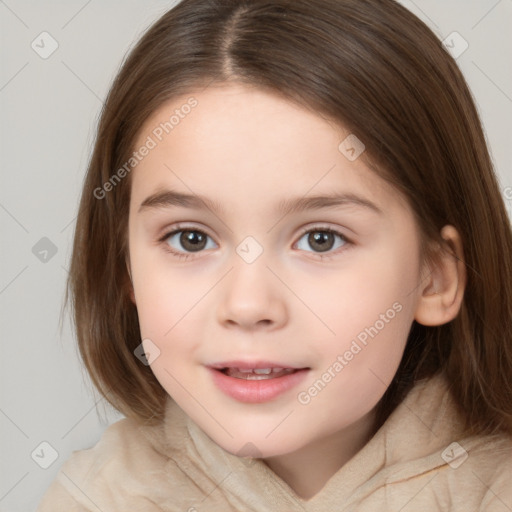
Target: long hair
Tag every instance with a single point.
(378, 70)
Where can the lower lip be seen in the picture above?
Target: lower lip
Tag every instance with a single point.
(256, 391)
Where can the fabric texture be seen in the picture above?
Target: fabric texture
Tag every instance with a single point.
(416, 462)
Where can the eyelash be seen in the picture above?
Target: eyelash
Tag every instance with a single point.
(321, 229)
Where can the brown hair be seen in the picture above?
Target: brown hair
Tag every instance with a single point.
(378, 70)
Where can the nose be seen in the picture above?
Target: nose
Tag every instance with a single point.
(252, 298)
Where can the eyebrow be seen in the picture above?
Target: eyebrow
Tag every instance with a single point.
(171, 198)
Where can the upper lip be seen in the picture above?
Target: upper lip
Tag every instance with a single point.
(248, 365)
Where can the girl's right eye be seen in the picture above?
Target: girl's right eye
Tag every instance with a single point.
(190, 239)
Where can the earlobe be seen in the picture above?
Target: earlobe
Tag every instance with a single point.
(442, 289)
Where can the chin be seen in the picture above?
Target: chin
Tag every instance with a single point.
(257, 446)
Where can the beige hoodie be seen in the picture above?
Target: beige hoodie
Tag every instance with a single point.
(416, 462)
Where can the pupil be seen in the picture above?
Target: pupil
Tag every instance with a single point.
(192, 240)
(321, 239)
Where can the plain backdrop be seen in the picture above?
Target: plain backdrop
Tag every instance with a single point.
(49, 110)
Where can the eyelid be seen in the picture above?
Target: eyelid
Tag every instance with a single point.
(167, 232)
(322, 227)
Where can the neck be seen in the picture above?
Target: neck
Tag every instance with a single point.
(326, 456)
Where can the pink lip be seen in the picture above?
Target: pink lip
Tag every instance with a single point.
(256, 391)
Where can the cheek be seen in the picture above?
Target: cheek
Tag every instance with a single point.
(171, 306)
(158, 296)
(370, 312)
(357, 366)
(351, 301)
(169, 311)
(165, 303)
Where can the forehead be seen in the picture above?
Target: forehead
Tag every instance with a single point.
(241, 142)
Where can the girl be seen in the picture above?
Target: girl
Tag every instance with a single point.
(292, 271)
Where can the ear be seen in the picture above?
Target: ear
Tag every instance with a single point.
(130, 284)
(442, 289)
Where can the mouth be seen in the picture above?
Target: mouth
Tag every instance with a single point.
(258, 373)
(256, 381)
(255, 370)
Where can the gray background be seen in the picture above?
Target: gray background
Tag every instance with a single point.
(49, 110)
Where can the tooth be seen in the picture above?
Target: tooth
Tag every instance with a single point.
(275, 370)
(243, 370)
(262, 371)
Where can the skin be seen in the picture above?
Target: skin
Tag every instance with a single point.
(248, 150)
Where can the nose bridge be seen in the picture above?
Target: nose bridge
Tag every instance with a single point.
(252, 294)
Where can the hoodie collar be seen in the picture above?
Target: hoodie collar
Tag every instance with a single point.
(409, 443)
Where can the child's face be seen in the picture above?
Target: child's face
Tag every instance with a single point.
(254, 287)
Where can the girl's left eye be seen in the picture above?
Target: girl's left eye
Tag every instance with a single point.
(323, 238)
(195, 240)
